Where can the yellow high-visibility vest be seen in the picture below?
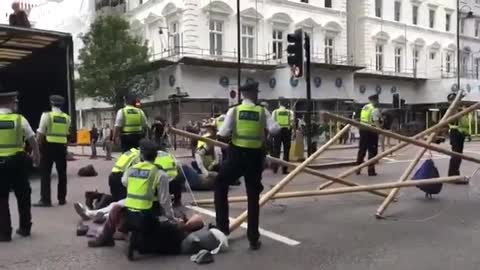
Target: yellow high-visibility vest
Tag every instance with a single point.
(126, 160)
(366, 116)
(167, 162)
(249, 126)
(11, 134)
(282, 117)
(219, 121)
(142, 183)
(462, 125)
(57, 127)
(132, 120)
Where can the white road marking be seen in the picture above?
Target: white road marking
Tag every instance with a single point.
(269, 234)
(390, 159)
(410, 160)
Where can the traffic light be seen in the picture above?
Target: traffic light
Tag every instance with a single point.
(295, 52)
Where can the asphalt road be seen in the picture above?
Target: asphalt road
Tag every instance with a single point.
(334, 232)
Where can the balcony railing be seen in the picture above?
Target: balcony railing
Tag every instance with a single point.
(391, 71)
(117, 5)
(335, 59)
(465, 74)
(175, 54)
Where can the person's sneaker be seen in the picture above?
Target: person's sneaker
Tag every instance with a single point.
(358, 172)
(255, 245)
(25, 232)
(372, 174)
(99, 218)
(42, 204)
(62, 202)
(81, 211)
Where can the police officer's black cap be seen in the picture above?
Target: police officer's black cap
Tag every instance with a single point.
(249, 87)
(57, 100)
(451, 96)
(7, 95)
(373, 97)
(148, 147)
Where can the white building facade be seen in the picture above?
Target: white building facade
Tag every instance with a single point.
(200, 40)
(359, 47)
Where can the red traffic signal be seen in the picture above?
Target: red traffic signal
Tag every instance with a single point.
(295, 52)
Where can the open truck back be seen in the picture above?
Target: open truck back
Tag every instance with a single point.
(37, 64)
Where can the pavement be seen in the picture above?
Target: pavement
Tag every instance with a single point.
(328, 232)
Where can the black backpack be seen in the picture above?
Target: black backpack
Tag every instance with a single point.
(428, 171)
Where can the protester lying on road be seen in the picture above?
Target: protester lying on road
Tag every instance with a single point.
(167, 236)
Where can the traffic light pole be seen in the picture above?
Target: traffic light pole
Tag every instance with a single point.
(239, 55)
(308, 116)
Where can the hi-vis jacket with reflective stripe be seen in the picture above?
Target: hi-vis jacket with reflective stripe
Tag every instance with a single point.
(11, 134)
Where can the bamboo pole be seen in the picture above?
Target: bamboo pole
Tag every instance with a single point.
(406, 174)
(265, 198)
(276, 160)
(387, 152)
(342, 190)
(402, 138)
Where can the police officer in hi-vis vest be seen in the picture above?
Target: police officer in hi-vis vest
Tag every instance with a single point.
(370, 115)
(130, 124)
(125, 161)
(285, 119)
(246, 123)
(458, 130)
(14, 167)
(52, 135)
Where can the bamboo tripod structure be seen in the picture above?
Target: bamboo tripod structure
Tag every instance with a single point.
(276, 160)
(406, 174)
(274, 192)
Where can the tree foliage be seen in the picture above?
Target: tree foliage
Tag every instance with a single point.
(108, 60)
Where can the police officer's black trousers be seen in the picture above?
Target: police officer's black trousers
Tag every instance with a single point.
(240, 162)
(176, 186)
(457, 140)
(117, 189)
(368, 142)
(14, 173)
(283, 138)
(53, 153)
(129, 141)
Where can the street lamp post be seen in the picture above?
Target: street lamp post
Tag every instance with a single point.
(469, 15)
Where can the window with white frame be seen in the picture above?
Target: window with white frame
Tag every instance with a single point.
(462, 25)
(216, 37)
(448, 62)
(329, 50)
(448, 19)
(248, 41)
(379, 57)
(414, 14)
(277, 44)
(431, 17)
(477, 28)
(398, 59)
(477, 68)
(397, 10)
(464, 66)
(309, 32)
(175, 36)
(378, 8)
(416, 57)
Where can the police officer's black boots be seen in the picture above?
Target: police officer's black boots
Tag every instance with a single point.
(5, 222)
(255, 245)
(24, 230)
